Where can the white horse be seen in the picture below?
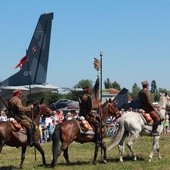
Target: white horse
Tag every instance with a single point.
(133, 124)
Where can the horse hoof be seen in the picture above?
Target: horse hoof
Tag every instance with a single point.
(149, 160)
(105, 161)
(121, 160)
(160, 157)
(20, 167)
(53, 165)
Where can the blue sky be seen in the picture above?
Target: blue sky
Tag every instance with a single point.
(134, 36)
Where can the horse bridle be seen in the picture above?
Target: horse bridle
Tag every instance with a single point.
(113, 109)
(44, 112)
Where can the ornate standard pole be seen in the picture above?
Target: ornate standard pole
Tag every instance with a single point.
(101, 55)
(100, 107)
(98, 66)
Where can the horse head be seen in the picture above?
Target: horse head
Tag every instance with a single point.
(112, 108)
(163, 102)
(42, 110)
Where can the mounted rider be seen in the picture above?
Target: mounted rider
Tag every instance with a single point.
(85, 105)
(148, 107)
(16, 106)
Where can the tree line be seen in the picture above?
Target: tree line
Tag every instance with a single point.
(50, 97)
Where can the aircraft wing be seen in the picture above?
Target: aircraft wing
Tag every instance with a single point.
(71, 89)
(6, 91)
(43, 88)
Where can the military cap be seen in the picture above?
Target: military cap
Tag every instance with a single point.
(85, 88)
(145, 82)
(17, 91)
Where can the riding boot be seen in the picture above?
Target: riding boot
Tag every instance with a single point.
(30, 137)
(35, 125)
(154, 132)
(159, 114)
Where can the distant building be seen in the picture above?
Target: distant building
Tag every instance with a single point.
(109, 93)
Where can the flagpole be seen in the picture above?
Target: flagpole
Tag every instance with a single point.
(101, 55)
(100, 106)
(30, 97)
(98, 66)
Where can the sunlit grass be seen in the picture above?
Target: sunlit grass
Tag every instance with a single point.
(81, 156)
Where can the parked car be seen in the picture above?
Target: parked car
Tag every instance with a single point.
(65, 105)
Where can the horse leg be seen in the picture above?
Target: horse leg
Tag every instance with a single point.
(1, 148)
(121, 147)
(95, 153)
(22, 156)
(55, 153)
(158, 149)
(103, 146)
(2, 143)
(64, 147)
(55, 145)
(130, 145)
(39, 148)
(65, 154)
(155, 147)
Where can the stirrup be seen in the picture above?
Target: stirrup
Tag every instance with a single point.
(36, 127)
(90, 132)
(155, 134)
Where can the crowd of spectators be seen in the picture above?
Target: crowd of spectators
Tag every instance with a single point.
(47, 125)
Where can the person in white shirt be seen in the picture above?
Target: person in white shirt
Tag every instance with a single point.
(3, 116)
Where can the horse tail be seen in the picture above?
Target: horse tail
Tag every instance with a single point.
(56, 138)
(118, 137)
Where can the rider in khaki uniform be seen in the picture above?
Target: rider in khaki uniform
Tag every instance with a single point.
(147, 106)
(85, 104)
(16, 106)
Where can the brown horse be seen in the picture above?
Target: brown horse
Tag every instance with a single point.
(70, 131)
(18, 138)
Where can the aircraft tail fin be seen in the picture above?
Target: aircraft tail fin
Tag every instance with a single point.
(37, 56)
(122, 99)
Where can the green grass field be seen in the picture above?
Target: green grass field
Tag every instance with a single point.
(81, 156)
